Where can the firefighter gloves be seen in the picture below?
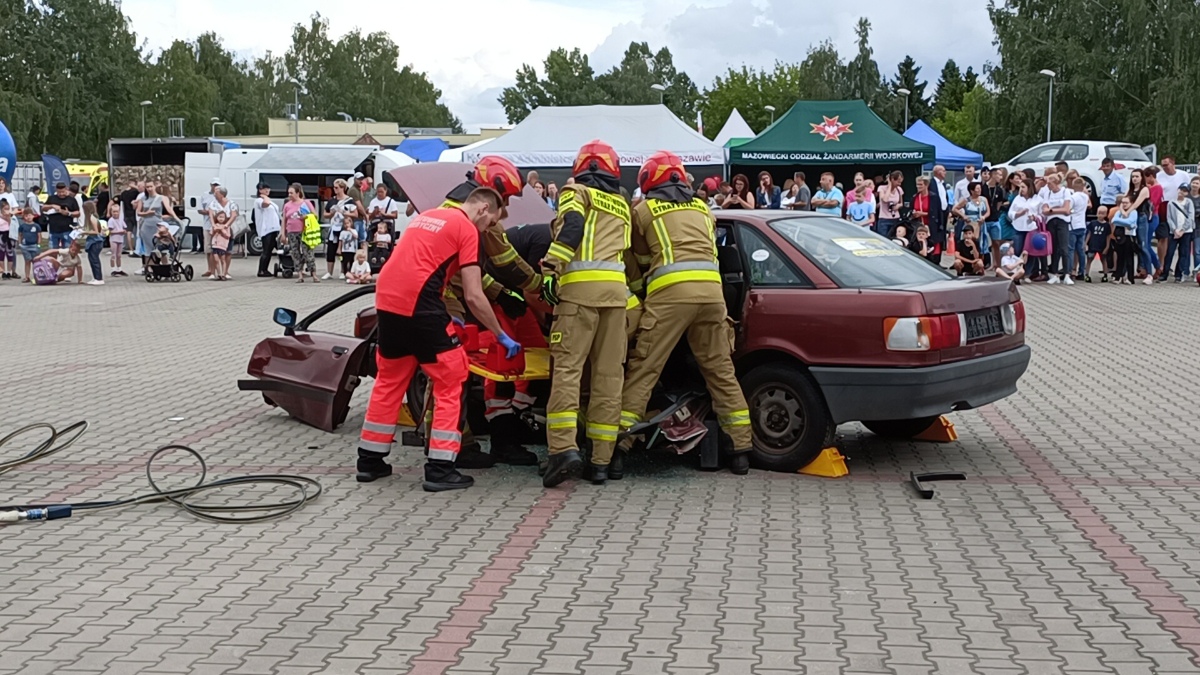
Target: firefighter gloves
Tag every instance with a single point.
(550, 290)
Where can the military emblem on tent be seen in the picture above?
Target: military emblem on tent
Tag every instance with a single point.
(831, 128)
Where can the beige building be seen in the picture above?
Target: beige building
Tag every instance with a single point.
(386, 134)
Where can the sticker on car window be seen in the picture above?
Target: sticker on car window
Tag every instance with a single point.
(760, 255)
(868, 248)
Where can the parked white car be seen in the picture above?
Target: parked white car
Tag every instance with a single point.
(1084, 157)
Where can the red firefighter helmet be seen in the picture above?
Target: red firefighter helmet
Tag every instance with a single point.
(499, 174)
(662, 168)
(597, 156)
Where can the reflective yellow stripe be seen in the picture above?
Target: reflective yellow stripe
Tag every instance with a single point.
(673, 278)
(595, 275)
(602, 432)
(739, 418)
(505, 257)
(449, 204)
(488, 281)
(637, 285)
(629, 419)
(633, 302)
(560, 251)
(609, 203)
(587, 248)
(659, 208)
(562, 420)
(664, 240)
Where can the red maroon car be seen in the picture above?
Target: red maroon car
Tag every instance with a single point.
(835, 324)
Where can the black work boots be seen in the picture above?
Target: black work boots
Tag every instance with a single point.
(441, 475)
(371, 466)
(507, 433)
(562, 467)
(739, 463)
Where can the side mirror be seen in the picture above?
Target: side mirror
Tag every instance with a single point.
(286, 318)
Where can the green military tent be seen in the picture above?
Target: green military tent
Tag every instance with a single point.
(841, 137)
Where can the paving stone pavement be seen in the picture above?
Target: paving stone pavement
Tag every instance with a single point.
(1074, 547)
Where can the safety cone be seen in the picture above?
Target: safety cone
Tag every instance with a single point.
(941, 431)
(950, 247)
(829, 464)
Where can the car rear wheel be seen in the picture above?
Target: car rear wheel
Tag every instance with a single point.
(900, 428)
(254, 243)
(788, 416)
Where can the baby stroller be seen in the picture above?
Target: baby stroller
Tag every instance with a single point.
(377, 256)
(164, 259)
(286, 267)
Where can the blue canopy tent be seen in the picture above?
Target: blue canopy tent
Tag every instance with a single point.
(948, 154)
(423, 149)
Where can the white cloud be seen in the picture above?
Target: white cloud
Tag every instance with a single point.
(471, 50)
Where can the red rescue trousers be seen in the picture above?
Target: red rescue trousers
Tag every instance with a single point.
(446, 376)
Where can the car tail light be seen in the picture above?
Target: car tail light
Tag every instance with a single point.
(1118, 166)
(923, 333)
(1019, 315)
(358, 329)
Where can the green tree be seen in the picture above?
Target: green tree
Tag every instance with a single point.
(950, 90)
(629, 83)
(972, 126)
(908, 75)
(862, 73)
(179, 89)
(822, 75)
(569, 80)
(358, 74)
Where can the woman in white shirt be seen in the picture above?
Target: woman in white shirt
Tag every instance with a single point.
(266, 223)
(1056, 207)
(1021, 215)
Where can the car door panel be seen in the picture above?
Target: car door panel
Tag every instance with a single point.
(310, 375)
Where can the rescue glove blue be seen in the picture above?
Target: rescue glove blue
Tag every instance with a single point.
(512, 304)
(511, 346)
(550, 290)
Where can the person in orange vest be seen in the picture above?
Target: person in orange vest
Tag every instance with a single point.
(415, 331)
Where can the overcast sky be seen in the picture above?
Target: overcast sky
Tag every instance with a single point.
(471, 51)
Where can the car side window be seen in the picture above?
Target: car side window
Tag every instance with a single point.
(1074, 153)
(765, 265)
(1045, 153)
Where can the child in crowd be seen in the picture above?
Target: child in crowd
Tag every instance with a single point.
(116, 238)
(220, 246)
(383, 238)
(1011, 266)
(28, 234)
(8, 257)
(164, 245)
(1099, 243)
(861, 212)
(348, 244)
(900, 236)
(968, 261)
(925, 248)
(360, 271)
(1125, 241)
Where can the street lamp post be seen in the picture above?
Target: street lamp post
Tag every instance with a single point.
(299, 89)
(1050, 103)
(661, 90)
(906, 93)
(144, 104)
(770, 109)
(216, 122)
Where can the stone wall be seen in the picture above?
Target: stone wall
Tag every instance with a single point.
(170, 176)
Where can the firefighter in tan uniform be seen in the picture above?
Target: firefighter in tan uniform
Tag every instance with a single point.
(585, 278)
(674, 242)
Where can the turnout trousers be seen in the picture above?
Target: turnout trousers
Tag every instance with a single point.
(446, 366)
(711, 340)
(581, 335)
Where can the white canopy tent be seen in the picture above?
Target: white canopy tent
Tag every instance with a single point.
(456, 154)
(735, 127)
(551, 136)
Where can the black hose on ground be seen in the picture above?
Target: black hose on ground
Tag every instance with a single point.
(307, 489)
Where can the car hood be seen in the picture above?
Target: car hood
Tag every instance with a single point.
(965, 295)
(427, 185)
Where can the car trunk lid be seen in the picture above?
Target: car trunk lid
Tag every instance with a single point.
(971, 298)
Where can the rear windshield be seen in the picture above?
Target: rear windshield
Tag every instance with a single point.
(1126, 153)
(854, 257)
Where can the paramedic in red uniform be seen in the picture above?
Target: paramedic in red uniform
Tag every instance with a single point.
(415, 331)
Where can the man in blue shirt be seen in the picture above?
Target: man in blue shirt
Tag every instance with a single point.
(828, 199)
(1112, 186)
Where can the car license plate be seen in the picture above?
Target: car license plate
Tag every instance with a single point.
(984, 324)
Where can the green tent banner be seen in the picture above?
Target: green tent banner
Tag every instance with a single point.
(830, 132)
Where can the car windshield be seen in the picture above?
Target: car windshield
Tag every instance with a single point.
(1126, 153)
(854, 257)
